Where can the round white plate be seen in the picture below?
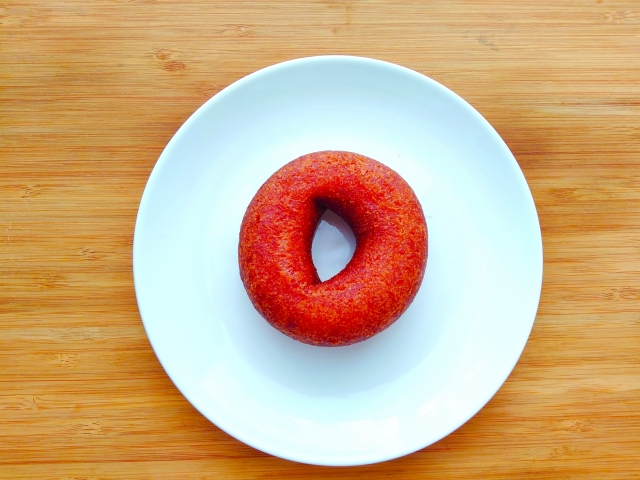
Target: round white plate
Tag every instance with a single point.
(415, 382)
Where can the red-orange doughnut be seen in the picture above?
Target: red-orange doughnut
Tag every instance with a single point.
(386, 269)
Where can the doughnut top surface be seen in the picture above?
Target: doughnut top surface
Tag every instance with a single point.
(375, 287)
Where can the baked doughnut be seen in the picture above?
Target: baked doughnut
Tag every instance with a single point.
(386, 269)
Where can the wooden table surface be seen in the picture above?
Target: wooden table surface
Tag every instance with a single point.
(91, 92)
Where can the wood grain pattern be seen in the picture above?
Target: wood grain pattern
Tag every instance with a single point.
(91, 92)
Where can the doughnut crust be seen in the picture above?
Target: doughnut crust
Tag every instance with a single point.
(384, 274)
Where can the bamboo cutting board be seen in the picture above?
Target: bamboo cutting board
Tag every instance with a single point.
(91, 92)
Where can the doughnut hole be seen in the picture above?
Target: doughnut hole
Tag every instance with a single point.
(333, 245)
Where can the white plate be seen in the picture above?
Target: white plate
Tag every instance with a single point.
(410, 385)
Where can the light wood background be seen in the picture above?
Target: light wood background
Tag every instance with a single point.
(91, 92)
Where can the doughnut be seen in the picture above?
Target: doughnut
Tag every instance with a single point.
(381, 279)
